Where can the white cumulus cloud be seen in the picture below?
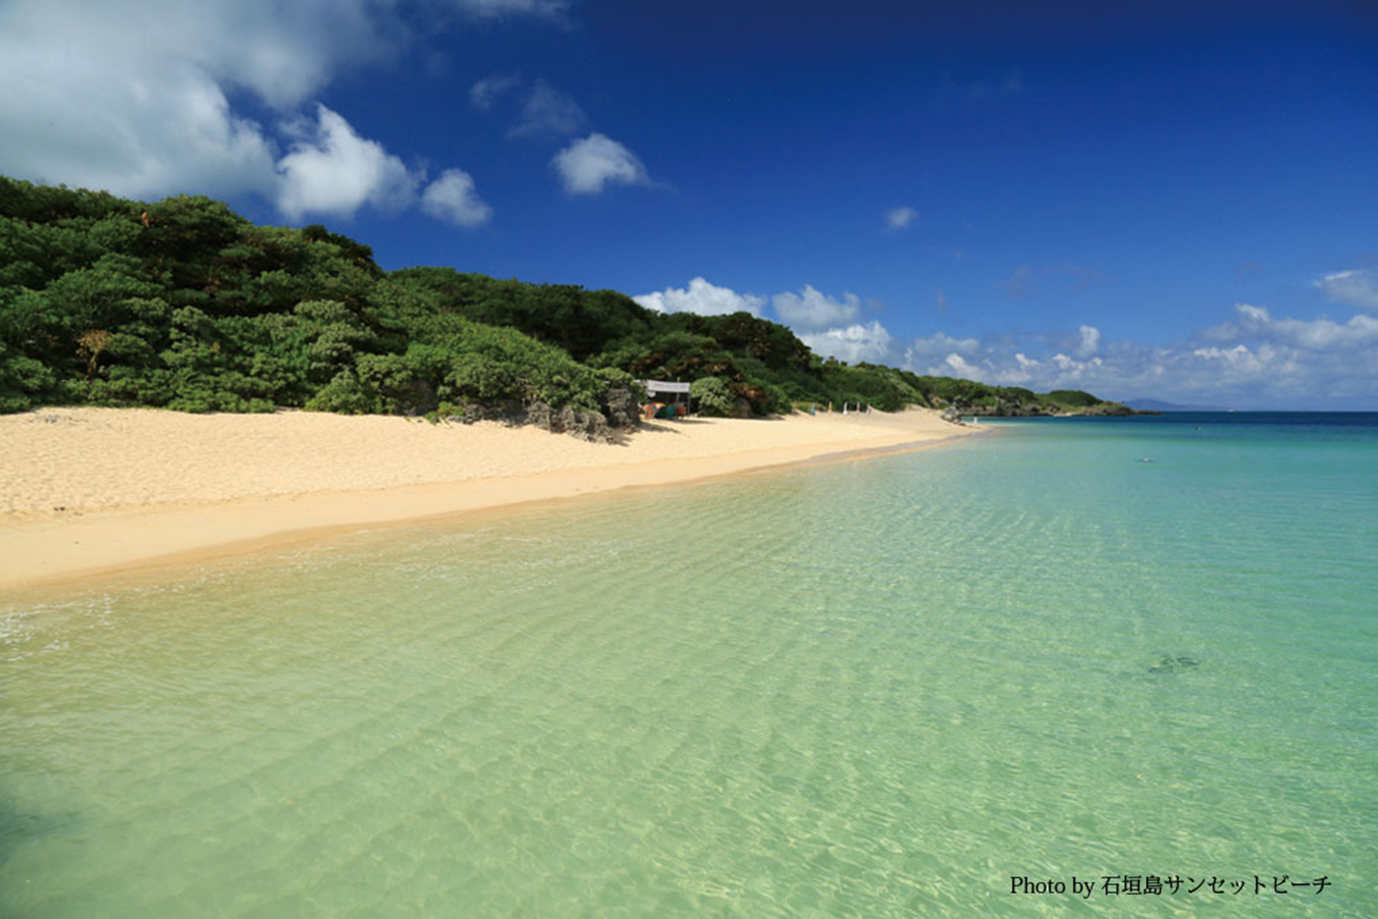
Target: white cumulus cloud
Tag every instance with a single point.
(91, 102)
(853, 343)
(921, 350)
(812, 309)
(588, 165)
(1324, 334)
(1257, 324)
(452, 198)
(957, 366)
(1089, 340)
(1358, 287)
(703, 298)
(136, 98)
(332, 170)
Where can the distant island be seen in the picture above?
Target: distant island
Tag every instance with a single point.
(185, 305)
(1157, 405)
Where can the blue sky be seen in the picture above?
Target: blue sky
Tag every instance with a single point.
(1158, 201)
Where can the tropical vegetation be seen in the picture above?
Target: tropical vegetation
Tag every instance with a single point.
(184, 304)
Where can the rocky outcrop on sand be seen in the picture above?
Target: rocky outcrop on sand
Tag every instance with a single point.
(621, 413)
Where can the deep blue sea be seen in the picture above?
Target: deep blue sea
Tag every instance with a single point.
(1139, 653)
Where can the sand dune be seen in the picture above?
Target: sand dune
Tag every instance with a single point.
(86, 490)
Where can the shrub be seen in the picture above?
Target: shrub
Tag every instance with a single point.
(713, 397)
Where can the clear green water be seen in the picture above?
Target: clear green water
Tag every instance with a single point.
(864, 689)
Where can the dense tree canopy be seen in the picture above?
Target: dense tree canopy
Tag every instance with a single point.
(182, 303)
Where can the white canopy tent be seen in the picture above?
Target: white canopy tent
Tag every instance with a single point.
(660, 386)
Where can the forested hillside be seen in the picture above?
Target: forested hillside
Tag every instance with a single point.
(186, 305)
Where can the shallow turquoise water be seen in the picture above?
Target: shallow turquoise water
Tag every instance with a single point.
(862, 689)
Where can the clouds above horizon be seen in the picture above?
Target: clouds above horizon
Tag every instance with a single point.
(452, 198)
(1088, 340)
(702, 298)
(140, 105)
(332, 170)
(1252, 361)
(1358, 287)
(852, 343)
(807, 310)
(586, 166)
(811, 309)
(590, 164)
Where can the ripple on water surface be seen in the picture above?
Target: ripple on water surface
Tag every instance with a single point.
(870, 689)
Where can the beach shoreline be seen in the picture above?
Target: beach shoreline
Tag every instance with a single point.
(94, 493)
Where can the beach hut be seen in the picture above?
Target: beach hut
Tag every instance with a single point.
(660, 387)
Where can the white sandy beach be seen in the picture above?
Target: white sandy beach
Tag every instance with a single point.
(86, 491)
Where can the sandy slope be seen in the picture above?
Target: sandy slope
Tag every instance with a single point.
(86, 490)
